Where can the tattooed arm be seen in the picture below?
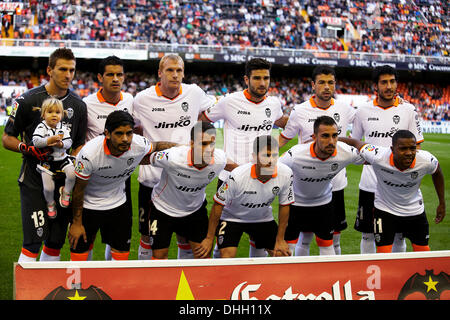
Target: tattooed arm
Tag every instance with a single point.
(76, 229)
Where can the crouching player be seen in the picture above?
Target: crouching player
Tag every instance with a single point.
(243, 204)
(98, 199)
(398, 205)
(179, 199)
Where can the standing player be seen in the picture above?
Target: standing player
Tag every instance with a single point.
(399, 206)
(109, 98)
(314, 165)
(99, 199)
(166, 111)
(22, 122)
(247, 114)
(377, 122)
(301, 122)
(179, 199)
(243, 204)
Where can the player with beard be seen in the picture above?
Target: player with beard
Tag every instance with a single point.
(314, 165)
(110, 97)
(301, 122)
(247, 114)
(377, 121)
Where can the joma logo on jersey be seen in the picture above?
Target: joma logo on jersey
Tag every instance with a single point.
(256, 205)
(265, 127)
(183, 122)
(387, 134)
(243, 112)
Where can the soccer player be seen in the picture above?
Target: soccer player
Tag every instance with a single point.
(399, 206)
(314, 165)
(110, 97)
(301, 122)
(99, 199)
(166, 111)
(247, 114)
(179, 198)
(243, 203)
(376, 122)
(24, 119)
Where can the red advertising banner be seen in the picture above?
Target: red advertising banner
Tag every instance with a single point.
(392, 276)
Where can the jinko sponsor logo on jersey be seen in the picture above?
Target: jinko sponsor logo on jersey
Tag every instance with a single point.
(184, 121)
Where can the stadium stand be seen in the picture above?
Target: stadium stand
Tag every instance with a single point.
(400, 26)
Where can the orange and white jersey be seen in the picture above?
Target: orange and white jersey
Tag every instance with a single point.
(244, 120)
(107, 173)
(247, 199)
(377, 126)
(165, 119)
(312, 175)
(398, 191)
(181, 190)
(301, 122)
(98, 110)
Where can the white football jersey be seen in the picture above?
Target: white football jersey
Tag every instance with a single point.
(312, 176)
(107, 173)
(398, 191)
(301, 122)
(181, 190)
(244, 120)
(165, 119)
(43, 132)
(98, 110)
(377, 125)
(246, 199)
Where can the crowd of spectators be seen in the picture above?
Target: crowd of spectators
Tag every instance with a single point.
(431, 100)
(419, 27)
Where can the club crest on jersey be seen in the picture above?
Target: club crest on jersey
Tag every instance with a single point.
(185, 106)
(211, 175)
(334, 166)
(276, 190)
(396, 119)
(69, 113)
(130, 161)
(414, 175)
(337, 117)
(268, 112)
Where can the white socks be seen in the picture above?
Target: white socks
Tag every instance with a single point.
(144, 251)
(303, 243)
(254, 252)
(367, 244)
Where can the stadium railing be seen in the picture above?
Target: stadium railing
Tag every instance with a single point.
(224, 50)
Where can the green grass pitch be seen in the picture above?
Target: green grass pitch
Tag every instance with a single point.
(11, 229)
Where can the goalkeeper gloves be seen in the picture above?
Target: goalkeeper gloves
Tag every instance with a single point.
(42, 154)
